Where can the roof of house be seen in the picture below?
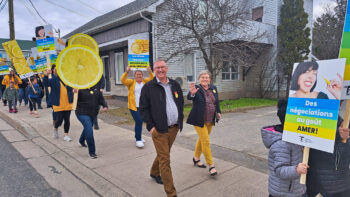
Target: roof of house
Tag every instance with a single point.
(123, 11)
(25, 45)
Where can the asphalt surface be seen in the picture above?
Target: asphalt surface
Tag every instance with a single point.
(18, 178)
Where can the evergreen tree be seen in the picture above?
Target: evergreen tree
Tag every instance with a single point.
(327, 32)
(293, 37)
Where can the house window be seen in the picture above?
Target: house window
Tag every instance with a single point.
(258, 14)
(119, 66)
(229, 72)
(190, 65)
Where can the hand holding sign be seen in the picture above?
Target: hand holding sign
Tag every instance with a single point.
(302, 168)
(128, 69)
(149, 69)
(344, 132)
(193, 89)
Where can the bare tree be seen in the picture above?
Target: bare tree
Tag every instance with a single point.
(220, 29)
(267, 76)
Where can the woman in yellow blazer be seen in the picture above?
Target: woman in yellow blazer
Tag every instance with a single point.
(134, 86)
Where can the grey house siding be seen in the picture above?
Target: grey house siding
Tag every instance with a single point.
(176, 67)
(123, 31)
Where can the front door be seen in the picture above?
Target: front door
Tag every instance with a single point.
(106, 73)
(119, 66)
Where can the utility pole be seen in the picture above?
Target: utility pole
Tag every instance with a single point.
(11, 20)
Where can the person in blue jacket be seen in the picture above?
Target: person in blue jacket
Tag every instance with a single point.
(61, 99)
(33, 95)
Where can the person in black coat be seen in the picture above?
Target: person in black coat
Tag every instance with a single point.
(101, 86)
(329, 174)
(22, 92)
(161, 107)
(204, 113)
(88, 106)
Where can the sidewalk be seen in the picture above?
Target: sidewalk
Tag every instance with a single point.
(121, 169)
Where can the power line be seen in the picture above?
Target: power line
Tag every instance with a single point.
(87, 5)
(41, 16)
(38, 12)
(67, 9)
(3, 5)
(31, 12)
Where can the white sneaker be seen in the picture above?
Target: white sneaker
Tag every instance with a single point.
(143, 140)
(67, 138)
(139, 144)
(55, 133)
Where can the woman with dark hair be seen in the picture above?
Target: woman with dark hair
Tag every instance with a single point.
(40, 32)
(61, 97)
(304, 81)
(88, 106)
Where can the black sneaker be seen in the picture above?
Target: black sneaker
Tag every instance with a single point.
(96, 127)
(93, 155)
(40, 107)
(158, 179)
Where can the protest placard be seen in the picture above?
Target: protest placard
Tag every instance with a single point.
(46, 46)
(4, 67)
(138, 58)
(345, 53)
(313, 105)
(60, 44)
(34, 53)
(42, 32)
(17, 58)
(40, 65)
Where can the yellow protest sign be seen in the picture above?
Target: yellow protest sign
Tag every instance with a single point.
(17, 58)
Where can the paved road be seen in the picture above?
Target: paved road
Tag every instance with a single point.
(17, 177)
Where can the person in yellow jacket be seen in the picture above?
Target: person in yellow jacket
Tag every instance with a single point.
(134, 86)
(11, 77)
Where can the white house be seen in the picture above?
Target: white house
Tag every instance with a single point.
(136, 20)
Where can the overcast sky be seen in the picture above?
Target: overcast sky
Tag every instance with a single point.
(68, 15)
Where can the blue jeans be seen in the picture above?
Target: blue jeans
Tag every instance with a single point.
(138, 124)
(22, 95)
(87, 134)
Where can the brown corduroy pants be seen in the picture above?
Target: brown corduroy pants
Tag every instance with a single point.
(161, 165)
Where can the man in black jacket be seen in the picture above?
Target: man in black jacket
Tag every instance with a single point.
(161, 107)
